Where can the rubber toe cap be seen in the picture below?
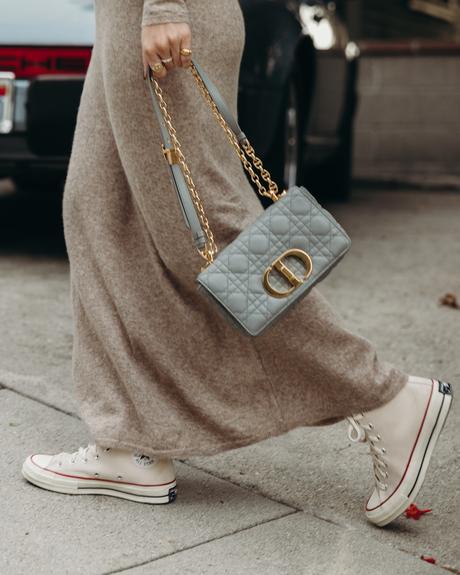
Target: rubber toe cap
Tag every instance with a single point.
(38, 459)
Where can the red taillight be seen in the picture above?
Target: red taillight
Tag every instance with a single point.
(27, 62)
(3, 91)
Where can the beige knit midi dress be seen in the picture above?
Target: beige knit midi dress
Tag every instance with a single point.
(155, 366)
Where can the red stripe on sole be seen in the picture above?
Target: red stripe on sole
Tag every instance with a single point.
(98, 478)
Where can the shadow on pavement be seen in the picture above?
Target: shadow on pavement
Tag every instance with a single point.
(31, 222)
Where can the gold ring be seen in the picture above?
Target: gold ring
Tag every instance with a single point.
(185, 52)
(158, 67)
(167, 60)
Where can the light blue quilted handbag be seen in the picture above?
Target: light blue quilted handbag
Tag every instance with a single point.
(280, 256)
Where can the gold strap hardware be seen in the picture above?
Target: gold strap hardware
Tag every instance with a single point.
(245, 151)
(171, 155)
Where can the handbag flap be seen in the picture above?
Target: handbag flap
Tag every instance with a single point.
(238, 278)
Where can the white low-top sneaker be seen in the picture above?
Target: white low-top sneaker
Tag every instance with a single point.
(107, 471)
(401, 436)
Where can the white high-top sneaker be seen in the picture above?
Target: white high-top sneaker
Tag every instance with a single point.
(98, 470)
(401, 436)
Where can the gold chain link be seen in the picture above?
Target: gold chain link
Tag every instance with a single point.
(245, 152)
(210, 248)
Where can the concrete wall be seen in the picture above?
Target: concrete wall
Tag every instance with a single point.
(408, 119)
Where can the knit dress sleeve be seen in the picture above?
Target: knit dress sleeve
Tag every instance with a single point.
(162, 11)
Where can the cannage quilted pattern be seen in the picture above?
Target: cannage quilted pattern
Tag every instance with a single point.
(235, 278)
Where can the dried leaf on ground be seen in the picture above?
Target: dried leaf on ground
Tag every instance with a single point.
(449, 300)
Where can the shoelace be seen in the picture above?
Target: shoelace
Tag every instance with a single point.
(359, 431)
(82, 453)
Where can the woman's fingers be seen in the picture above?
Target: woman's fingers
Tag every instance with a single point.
(185, 50)
(158, 68)
(167, 61)
(162, 44)
(163, 47)
(175, 51)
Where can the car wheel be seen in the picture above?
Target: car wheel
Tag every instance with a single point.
(341, 167)
(292, 139)
(330, 181)
(284, 159)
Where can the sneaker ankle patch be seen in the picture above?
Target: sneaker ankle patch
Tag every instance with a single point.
(142, 460)
(445, 388)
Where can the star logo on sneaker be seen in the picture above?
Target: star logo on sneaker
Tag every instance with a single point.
(142, 460)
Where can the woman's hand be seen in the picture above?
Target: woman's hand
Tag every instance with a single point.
(164, 44)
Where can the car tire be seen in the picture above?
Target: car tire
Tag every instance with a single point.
(284, 159)
(342, 170)
(331, 182)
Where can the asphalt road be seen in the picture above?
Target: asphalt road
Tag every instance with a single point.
(289, 505)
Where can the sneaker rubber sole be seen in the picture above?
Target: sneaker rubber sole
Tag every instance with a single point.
(435, 419)
(61, 483)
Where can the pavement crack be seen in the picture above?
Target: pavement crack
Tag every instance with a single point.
(201, 543)
(449, 568)
(241, 486)
(41, 401)
(440, 565)
(340, 449)
(327, 520)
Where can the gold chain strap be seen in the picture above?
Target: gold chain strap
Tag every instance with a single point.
(245, 152)
(207, 253)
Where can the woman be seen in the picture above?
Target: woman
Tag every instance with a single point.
(157, 371)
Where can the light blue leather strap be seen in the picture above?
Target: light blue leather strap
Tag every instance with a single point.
(185, 200)
(221, 104)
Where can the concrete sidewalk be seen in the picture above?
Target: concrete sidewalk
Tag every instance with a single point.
(292, 505)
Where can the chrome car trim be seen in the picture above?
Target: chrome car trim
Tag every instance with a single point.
(6, 102)
(20, 112)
